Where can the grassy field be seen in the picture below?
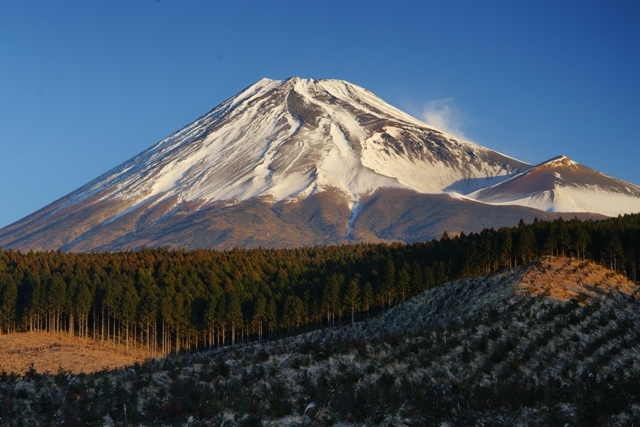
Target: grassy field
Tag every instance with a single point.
(47, 352)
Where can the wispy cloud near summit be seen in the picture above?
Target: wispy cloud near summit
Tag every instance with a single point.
(443, 115)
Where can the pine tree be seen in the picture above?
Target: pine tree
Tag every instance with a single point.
(260, 313)
(331, 297)
(417, 280)
(527, 246)
(351, 296)
(8, 302)
(82, 306)
(388, 288)
(506, 246)
(563, 236)
(581, 241)
(366, 298)
(234, 314)
(272, 316)
(439, 273)
(404, 280)
(293, 311)
(56, 298)
(428, 278)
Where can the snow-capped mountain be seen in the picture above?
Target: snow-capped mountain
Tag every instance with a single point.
(286, 139)
(300, 161)
(562, 185)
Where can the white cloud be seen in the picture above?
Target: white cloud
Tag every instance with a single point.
(442, 115)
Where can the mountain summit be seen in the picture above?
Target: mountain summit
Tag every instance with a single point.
(301, 161)
(285, 139)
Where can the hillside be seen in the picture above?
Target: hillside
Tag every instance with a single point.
(554, 342)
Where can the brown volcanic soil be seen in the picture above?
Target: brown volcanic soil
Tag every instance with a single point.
(387, 215)
(49, 352)
(409, 216)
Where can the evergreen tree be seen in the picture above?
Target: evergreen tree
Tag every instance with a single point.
(293, 311)
(129, 309)
(550, 245)
(439, 273)
(527, 246)
(613, 251)
(351, 297)
(56, 299)
(506, 247)
(428, 277)
(563, 237)
(260, 314)
(331, 297)
(272, 316)
(388, 288)
(404, 280)
(417, 280)
(234, 314)
(8, 303)
(82, 303)
(581, 241)
(366, 298)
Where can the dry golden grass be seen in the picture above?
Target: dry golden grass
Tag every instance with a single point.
(49, 352)
(567, 278)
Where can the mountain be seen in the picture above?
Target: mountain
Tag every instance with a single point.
(305, 162)
(562, 185)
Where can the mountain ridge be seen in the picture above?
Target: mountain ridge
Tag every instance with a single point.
(285, 141)
(563, 185)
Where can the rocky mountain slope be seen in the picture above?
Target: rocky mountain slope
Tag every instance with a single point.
(283, 154)
(552, 343)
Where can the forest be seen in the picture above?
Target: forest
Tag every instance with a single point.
(163, 301)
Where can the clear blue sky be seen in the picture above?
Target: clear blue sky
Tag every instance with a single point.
(85, 85)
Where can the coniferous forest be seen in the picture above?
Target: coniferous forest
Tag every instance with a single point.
(164, 301)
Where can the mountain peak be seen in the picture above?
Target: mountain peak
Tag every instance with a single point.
(284, 145)
(284, 139)
(562, 185)
(558, 162)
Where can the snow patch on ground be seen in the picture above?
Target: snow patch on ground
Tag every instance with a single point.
(355, 211)
(576, 199)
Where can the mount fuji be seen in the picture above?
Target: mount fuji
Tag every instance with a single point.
(304, 162)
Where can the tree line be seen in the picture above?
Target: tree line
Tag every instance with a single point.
(164, 301)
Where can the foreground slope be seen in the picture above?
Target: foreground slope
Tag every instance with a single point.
(553, 343)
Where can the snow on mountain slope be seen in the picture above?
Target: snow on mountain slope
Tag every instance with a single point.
(562, 185)
(304, 161)
(290, 138)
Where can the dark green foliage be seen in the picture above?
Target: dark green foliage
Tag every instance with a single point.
(490, 389)
(170, 301)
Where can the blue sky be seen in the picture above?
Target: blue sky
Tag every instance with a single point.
(85, 85)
